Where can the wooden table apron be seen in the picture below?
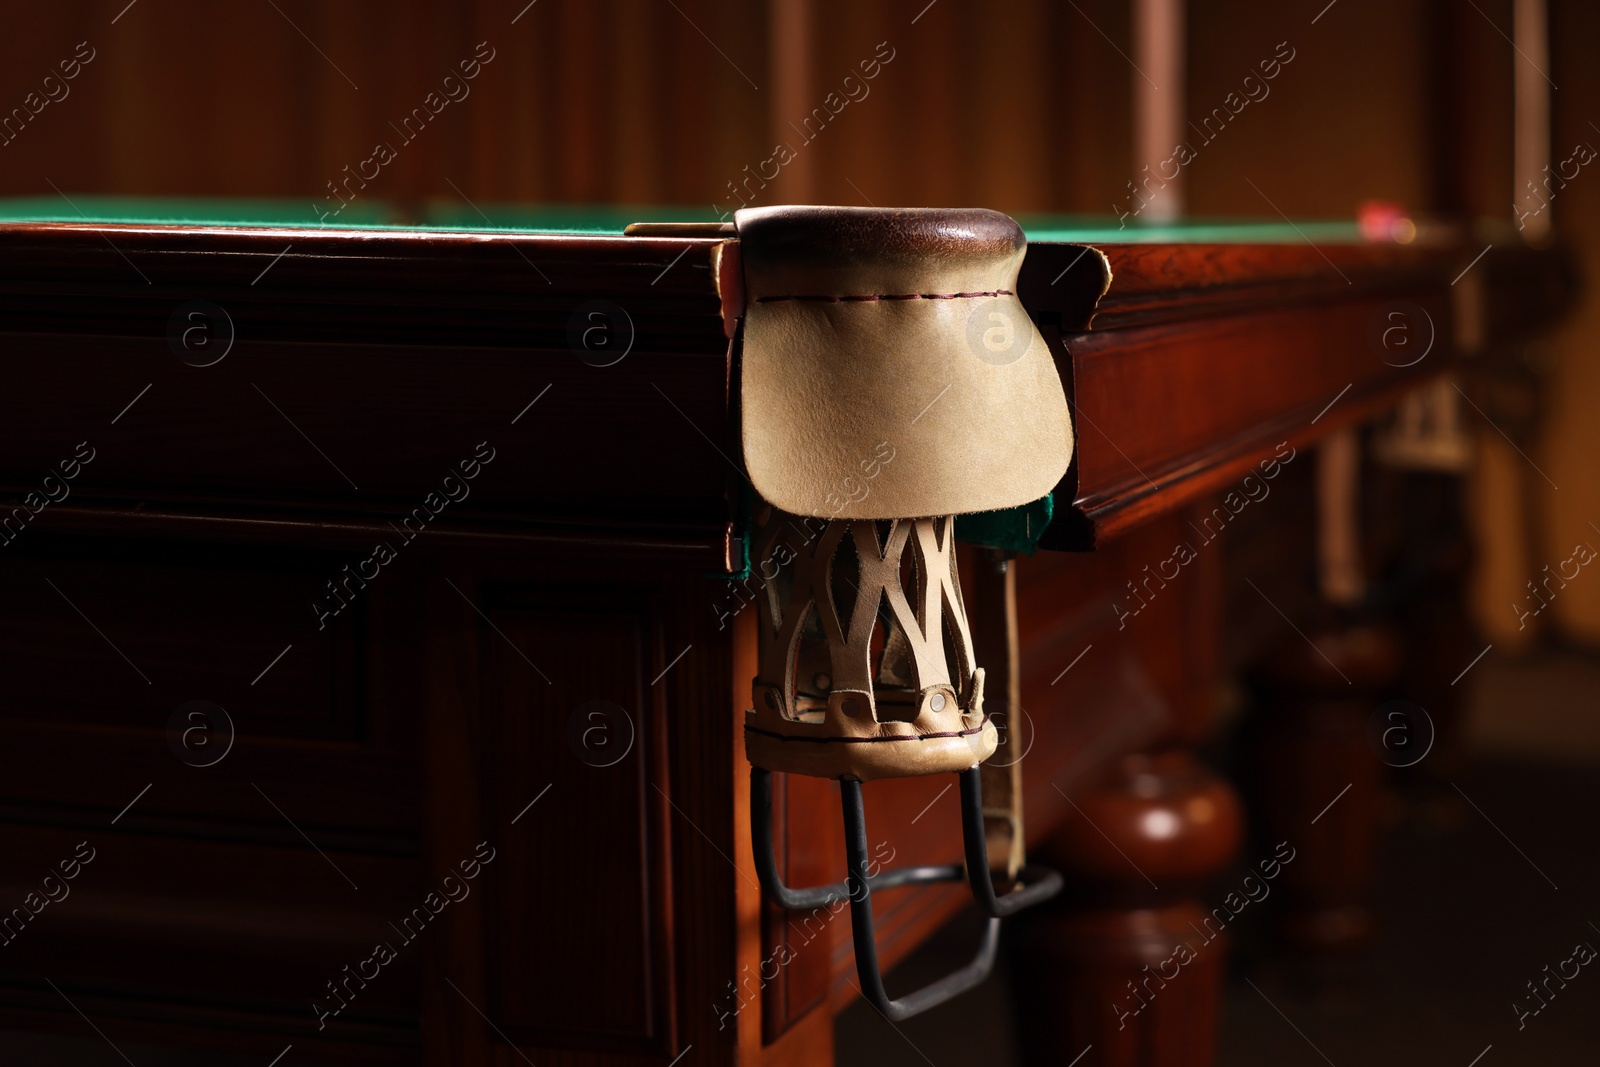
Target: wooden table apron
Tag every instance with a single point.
(580, 570)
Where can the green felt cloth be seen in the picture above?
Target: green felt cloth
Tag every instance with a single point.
(1098, 229)
(597, 219)
(184, 211)
(1013, 529)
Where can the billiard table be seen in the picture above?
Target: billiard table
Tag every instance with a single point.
(376, 639)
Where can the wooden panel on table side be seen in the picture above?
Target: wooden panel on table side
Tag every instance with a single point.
(691, 890)
(557, 727)
(1154, 282)
(663, 627)
(696, 658)
(1283, 331)
(395, 421)
(351, 286)
(205, 868)
(194, 621)
(395, 352)
(154, 925)
(196, 624)
(1266, 378)
(1158, 281)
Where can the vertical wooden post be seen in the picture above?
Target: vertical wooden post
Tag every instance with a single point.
(1318, 777)
(790, 53)
(1124, 969)
(1531, 95)
(1158, 101)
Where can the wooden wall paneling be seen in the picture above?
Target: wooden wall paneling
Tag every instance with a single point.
(691, 175)
(733, 114)
(849, 149)
(1090, 108)
(405, 56)
(343, 48)
(583, 106)
(1003, 141)
(1481, 96)
(1343, 122)
(247, 148)
(189, 99)
(640, 127)
(929, 92)
(791, 59)
(136, 93)
(997, 127)
(487, 99)
(1531, 92)
(1449, 122)
(477, 160)
(589, 103)
(67, 141)
(513, 140)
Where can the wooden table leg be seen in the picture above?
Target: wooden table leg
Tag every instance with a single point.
(1319, 780)
(1317, 689)
(1130, 964)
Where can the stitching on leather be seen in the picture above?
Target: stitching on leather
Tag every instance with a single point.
(869, 740)
(888, 296)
